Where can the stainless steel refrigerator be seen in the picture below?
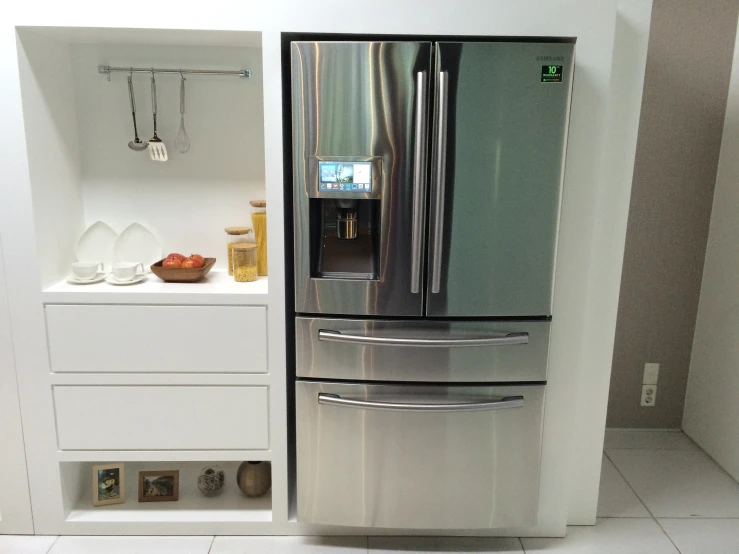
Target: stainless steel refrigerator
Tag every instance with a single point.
(427, 179)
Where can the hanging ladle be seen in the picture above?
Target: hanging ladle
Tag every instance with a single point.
(135, 144)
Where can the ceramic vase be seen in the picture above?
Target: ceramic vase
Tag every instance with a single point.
(254, 478)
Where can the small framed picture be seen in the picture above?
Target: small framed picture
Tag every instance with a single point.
(159, 486)
(108, 485)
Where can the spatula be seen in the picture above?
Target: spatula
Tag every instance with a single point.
(157, 149)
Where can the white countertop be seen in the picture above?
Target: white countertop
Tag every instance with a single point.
(218, 288)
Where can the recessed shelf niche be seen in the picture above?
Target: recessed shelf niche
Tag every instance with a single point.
(231, 506)
(78, 124)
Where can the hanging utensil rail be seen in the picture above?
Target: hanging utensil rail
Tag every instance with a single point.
(107, 69)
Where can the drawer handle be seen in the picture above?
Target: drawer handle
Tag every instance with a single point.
(485, 405)
(499, 340)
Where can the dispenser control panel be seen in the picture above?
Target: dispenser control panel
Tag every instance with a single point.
(345, 176)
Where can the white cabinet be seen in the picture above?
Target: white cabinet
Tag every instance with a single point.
(161, 417)
(157, 339)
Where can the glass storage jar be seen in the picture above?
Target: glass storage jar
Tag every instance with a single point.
(259, 222)
(245, 262)
(235, 235)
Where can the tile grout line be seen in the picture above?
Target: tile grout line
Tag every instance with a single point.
(693, 448)
(629, 485)
(703, 518)
(692, 518)
(718, 465)
(666, 535)
(693, 445)
(643, 503)
(52, 544)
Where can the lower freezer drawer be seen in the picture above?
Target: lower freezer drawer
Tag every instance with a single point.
(418, 456)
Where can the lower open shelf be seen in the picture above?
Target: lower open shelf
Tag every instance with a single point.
(231, 506)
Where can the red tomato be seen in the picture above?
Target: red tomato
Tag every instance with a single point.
(175, 256)
(172, 262)
(198, 259)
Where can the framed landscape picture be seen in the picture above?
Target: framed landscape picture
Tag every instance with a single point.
(159, 486)
(108, 485)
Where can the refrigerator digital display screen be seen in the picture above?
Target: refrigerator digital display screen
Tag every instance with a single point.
(345, 176)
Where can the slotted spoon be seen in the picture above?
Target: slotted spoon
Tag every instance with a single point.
(182, 142)
(157, 149)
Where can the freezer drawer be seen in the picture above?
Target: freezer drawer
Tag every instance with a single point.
(418, 456)
(428, 351)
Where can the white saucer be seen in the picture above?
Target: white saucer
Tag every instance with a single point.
(111, 280)
(72, 280)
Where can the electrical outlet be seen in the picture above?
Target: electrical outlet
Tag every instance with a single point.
(648, 395)
(651, 374)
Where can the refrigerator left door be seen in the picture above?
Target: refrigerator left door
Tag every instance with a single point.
(359, 120)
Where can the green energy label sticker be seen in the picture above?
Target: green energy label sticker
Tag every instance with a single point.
(551, 73)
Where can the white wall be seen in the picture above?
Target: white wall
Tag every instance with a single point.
(15, 502)
(53, 151)
(629, 60)
(712, 403)
(594, 208)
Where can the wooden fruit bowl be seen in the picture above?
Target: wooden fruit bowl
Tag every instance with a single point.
(182, 274)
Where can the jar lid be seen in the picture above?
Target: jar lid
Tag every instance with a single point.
(244, 246)
(258, 203)
(238, 230)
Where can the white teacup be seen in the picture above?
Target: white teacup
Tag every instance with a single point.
(86, 271)
(126, 271)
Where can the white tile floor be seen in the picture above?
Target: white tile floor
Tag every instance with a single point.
(660, 494)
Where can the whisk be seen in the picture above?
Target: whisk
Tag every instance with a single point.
(157, 149)
(182, 142)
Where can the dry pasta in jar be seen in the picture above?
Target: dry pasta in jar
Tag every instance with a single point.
(245, 262)
(259, 221)
(235, 235)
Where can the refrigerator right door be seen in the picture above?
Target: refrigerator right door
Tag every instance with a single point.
(500, 134)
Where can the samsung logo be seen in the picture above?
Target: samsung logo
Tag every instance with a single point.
(550, 58)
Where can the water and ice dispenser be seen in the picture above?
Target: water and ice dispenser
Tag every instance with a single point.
(345, 199)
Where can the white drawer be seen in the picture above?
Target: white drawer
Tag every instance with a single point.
(161, 339)
(161, 418)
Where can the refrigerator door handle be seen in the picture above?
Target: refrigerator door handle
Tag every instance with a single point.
(419, 181)
(476, 406)
(441, 146)
(508, 339)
